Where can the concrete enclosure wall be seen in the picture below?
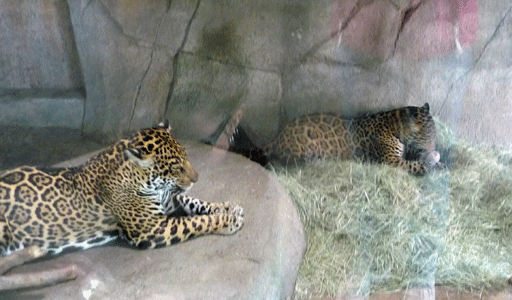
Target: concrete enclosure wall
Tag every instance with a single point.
(129, 64)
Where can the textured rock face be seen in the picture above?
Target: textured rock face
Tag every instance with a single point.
(258, 262)
(196, 62)
(40, 111)
(126, 50)
(37, 48)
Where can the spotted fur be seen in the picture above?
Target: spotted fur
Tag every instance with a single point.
(129, 190)
(403, 137)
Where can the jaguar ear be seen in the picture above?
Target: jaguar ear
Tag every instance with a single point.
(426, 107)
(165, 125)
(135, 157)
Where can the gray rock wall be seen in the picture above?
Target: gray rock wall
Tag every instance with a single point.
(41, 80)
(37, 48)
(127, 51)
(196, 62)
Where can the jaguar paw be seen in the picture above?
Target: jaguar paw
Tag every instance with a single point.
(233, 224)
(229, 208)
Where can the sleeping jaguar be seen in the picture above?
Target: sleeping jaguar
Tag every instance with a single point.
(403, 137)
(128, 190)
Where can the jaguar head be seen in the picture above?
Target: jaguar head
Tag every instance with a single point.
(156, 153)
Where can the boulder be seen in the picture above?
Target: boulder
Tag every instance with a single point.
(258, 262)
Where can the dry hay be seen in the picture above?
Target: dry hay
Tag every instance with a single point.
(374, 227)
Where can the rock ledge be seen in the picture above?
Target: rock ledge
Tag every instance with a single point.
(259, 262)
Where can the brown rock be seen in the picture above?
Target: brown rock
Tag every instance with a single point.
(258, 262)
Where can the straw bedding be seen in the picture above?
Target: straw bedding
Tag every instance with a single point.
(374, 227)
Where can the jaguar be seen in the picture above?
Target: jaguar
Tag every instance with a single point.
(130, 190)
(403, 137)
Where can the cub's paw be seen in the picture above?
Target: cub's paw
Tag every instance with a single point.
(230, 224)
(432, 158)
(229, 208)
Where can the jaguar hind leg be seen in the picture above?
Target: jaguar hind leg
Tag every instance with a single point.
(31, 279)
(5, 236)
(19, 257)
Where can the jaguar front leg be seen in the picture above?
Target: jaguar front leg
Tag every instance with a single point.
(392, 151)
(194, 206)
(163, 230)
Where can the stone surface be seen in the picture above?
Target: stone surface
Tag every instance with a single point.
(437, 28)
(197, 62)
(207, 92)
(37, 48)
(258, 262)
(231, 58)
(259, 35)
(41, 146)
(494, 35)
(486, 107)
(371, 31)
(262, 102)
(40, 111)
(126, 52)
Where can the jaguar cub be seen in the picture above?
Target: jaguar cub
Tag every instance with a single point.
(128, 190)
(403, 137)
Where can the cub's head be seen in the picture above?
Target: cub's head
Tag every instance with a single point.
(155, 152)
